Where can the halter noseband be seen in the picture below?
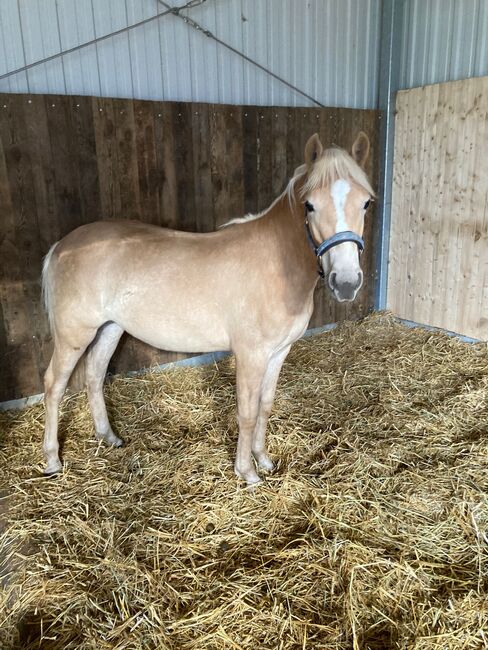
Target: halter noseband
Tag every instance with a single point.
(327, 244)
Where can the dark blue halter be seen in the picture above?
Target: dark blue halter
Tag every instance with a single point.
(327, 244)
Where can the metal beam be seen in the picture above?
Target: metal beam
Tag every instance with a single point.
(389, 79)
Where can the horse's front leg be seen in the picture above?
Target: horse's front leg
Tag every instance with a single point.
(250, 371)
(268, 390)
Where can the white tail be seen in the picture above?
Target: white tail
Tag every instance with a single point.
(47, 287)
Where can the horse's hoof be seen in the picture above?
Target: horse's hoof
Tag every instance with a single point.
(52, 469)
(110, 439)
(253, 484)
(250, 477)
(265, 463)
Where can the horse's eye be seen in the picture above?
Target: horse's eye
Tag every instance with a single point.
(366, 205)
(308, 206)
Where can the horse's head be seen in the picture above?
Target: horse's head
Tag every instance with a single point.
(336, 194)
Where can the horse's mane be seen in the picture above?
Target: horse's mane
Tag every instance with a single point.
(333, 164)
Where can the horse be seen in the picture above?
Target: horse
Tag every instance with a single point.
(247, 288)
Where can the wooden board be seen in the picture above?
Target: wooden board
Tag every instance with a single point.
(66, 160)
(438, 267)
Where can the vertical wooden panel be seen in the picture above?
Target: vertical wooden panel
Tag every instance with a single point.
(65, 172)
(234, 155)
(250, 158)
(128, 205)
(226, 156)
(438, 272)
(65, 161)
(265, 158)
(279, 137)
(202, 172)
(183, 153)
(165, 143)
(106, 156)
(20, 255)
(146, 158)
(85, 153)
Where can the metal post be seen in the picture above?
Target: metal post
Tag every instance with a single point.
(389, 78)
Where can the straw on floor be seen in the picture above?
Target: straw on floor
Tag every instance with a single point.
(372, 532)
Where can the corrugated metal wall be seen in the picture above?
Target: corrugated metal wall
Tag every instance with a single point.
(328, 48)
(443, 40)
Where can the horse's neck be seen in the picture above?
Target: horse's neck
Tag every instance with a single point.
(286, 225)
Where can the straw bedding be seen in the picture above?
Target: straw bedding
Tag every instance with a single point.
(372, 532)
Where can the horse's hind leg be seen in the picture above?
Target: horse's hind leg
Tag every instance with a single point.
(63, 361)
(97, 360)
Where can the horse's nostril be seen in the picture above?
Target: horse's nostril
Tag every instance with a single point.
(332, 280)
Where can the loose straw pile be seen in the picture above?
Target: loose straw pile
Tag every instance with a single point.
(372, 532)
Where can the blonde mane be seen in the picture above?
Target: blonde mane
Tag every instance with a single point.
(333, 164)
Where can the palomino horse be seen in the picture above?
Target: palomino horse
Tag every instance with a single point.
(247, 288)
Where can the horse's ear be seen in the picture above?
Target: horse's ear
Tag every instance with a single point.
(360, 149)
(313, 149)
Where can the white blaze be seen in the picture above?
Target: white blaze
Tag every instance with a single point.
(344, 259)
(340, 190)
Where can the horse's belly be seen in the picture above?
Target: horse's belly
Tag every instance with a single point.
(175, 329)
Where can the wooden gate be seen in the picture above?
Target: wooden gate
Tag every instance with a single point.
(66, 161)
(438, 272)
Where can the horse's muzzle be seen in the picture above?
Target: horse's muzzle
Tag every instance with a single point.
(345, 287)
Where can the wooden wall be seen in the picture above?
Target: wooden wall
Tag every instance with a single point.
(438, 272)
(65, 161)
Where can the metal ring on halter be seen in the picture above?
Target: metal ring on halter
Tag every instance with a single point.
(327, 244)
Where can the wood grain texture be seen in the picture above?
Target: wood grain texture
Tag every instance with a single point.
(66, 160)
(438, 267)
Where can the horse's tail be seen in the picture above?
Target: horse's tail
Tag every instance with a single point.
(47, 287)
(77, 380)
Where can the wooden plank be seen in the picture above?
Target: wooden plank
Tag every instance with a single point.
(202, 173)
(146, 158)
(128, 206)
(439, 237)
(265, 158)
(85, 151)
(234, 156)
(12, 357)
(218, 165)
(294, 148)
(279, 137)
(66, 186)
(106, 160)
(20, 254)
(183, 155)
(168, 197)
(250, 158)
(43, 169)
(48, 230)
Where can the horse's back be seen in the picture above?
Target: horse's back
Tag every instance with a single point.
(116, 232)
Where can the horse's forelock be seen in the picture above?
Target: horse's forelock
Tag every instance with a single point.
(334, 164)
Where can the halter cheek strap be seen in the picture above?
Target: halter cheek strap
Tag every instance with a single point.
(327, 244)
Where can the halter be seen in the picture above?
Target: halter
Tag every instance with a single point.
(327, 244)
